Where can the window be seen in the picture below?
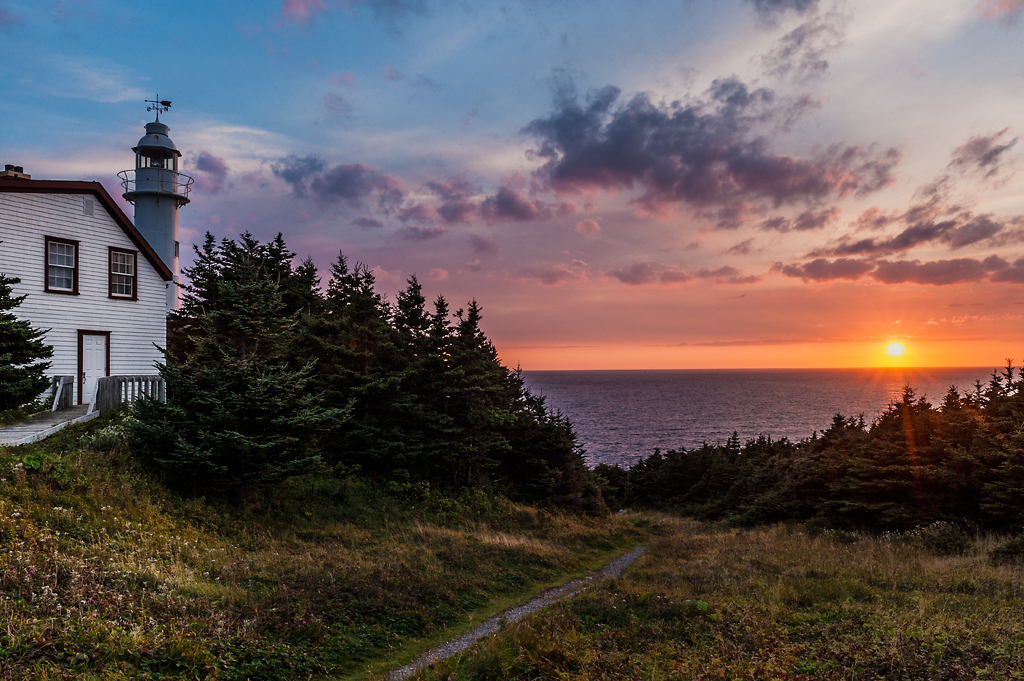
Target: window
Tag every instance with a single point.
(61, 266)
(122, 274)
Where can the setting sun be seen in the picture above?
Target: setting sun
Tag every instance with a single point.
(895, 349)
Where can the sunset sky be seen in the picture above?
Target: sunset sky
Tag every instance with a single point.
(620, 184)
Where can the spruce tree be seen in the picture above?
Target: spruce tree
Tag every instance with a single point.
(21, 348)
(237, 417)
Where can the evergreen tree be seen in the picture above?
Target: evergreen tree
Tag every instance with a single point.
(21, 348)
(237, 417)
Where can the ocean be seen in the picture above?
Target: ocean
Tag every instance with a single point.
(621, 416)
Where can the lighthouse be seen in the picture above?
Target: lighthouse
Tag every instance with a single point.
(158, 190)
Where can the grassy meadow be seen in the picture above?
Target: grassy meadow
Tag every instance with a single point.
(776, 603)
(105, 574)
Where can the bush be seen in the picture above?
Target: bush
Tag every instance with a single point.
(1010, 552)
(943, 539)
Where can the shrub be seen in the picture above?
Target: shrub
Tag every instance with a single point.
(1010, 552)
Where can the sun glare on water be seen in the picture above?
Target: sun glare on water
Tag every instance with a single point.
(895, 349)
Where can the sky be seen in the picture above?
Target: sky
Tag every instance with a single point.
(627, 184)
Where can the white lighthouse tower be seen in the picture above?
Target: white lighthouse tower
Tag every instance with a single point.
(158, 190)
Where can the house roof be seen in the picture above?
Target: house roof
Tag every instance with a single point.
(22, 186)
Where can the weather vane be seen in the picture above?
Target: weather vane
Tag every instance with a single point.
(158, 105)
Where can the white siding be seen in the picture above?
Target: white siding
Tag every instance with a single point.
(134, 325)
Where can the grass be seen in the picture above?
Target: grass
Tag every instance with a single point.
(105, 573)
(776, 603)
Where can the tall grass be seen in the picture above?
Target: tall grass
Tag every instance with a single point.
(105, 573)
(776, 603)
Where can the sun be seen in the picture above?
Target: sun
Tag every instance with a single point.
(895, 349)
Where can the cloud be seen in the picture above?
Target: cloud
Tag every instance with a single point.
(94, 79)
(509, 204)
(419, 212)
(296, 171)
(702, 153)
(874, 218)
(367, 222)
(956, 231)
(638, 273)
(484, 246)
(770, 10)
(302, 11)
(352, 182)
(587, 227)
(671, 276)
(438, 275)
(823, 270)
(1007, 11)
(739, 279)
(214, 170)
(421, 233)
(1011, 274)
(804, 222)
(455, 193)
(744, 247)
(554, 275)
(800, 54)
(724, 271)
(343, 78)
(9, 18)
(982, 154)
(337, 104)
(936, 273)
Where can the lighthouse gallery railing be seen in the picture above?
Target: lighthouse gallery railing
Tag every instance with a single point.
(156, 179)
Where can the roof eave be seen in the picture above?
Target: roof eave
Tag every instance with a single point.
(81, 187)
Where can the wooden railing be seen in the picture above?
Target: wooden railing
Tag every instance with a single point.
(113, 391)
(63, 390)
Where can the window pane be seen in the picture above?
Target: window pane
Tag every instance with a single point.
(61, 271)
(120, 285)
(62, 255)
(62, 278)
(122, 263)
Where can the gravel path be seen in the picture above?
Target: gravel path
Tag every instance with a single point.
(445, 650)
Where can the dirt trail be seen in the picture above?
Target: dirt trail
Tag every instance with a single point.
(445, 650)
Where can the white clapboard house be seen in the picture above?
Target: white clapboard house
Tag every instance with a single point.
(100, 284)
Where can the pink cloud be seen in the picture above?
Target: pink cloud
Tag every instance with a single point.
(587, 227)
(1006, 10)
(346, 78)
(419, 212)
(214, 170)
(438, 275)
(554, 275)
(256, 178)
(675, 277)
(638, 273)
(302, 11)
(390, 74)
(509, 204)
(421, 233)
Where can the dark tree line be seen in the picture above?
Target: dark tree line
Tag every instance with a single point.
(270, 375)
(962, 461)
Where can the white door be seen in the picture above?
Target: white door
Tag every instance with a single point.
(94, 363)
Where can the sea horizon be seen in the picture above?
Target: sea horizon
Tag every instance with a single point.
(622, 415)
